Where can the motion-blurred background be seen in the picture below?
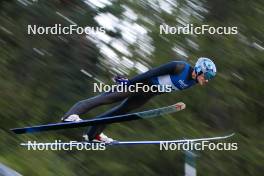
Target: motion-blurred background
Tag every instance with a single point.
(44, 75)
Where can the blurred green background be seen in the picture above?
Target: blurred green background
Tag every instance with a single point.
(41, 78)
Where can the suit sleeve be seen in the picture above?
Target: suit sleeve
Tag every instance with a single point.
(173, 67)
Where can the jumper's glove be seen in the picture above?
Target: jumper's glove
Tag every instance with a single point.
(120, 79)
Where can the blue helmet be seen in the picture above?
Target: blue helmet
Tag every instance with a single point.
(205, 66)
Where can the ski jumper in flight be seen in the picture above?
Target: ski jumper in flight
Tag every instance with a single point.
(179, 75)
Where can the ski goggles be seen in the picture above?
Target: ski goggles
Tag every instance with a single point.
(209, 75)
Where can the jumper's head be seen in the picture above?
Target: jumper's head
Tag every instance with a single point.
(204, 70)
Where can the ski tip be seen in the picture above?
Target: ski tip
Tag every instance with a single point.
(230, 135)
(180, 106)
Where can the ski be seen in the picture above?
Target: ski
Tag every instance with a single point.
(105, 120)
(129, 143)
(170, 141)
